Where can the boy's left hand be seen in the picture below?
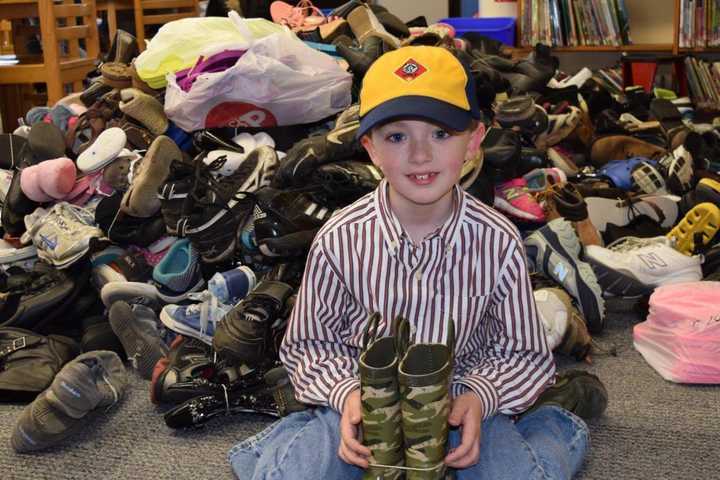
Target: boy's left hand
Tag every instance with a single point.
(467, 412)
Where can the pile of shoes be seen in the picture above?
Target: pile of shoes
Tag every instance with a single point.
(182, 252)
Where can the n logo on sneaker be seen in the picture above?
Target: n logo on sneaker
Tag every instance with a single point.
(410, 70)
(561, 271)
(652, 260)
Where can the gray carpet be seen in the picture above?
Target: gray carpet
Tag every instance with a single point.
(652, 430)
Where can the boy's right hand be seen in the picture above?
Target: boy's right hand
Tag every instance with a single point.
(351, 450)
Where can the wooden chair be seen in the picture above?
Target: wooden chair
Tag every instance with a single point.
(60, 65)
(160, 12)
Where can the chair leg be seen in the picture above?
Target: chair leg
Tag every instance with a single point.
(112, 20)
(139, 28)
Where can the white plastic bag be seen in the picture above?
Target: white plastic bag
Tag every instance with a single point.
(278, 81)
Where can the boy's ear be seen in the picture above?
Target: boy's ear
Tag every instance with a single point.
(367, 143)
(476, 138)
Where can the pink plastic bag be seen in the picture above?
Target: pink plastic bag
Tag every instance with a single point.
(681, 336)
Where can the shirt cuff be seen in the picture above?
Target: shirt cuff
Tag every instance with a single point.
(483, 388)
(340, 391)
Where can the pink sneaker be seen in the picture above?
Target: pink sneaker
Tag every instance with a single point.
(513, 198)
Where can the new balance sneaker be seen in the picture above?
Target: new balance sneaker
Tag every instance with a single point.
(197, 320)
(513, 198)
(634, 266)
(554, 250)
(214, 224)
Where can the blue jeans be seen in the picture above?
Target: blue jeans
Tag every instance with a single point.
(549, 443)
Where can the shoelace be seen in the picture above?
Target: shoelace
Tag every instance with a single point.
(627, 244)
(207, 308)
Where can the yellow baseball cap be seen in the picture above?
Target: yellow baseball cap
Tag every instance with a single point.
(418, 81)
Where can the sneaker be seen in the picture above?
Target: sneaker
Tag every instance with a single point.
(307, 155)
(63, 234)
(197, 320)
(541, 179)
(553, 315)
(576, 341)
(214, 224)
(344, 182)
(174, 195)
(576, 391)
(136, 327)
(707, 190)
(178, 273)
(513, 198)
(134, 293)
(275, 396)
(697, 228)
(555, 251)
(187, 360)
(635, 266)
(244, 334)
(663, 209)
(283, 214)
(91, 381)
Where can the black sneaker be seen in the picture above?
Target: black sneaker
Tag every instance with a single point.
(126, 229)
(29, 299)
(285, 214)
(15, 207)
(175, 195)
(344, 182)
(218, 215)
(308, 154)
(245, 332)
(577, 391)
(275, 396)
(188, 359)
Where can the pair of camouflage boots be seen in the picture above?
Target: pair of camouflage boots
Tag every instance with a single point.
(405, 392)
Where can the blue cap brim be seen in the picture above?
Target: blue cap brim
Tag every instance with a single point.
(416, 106)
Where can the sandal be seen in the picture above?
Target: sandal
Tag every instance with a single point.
(302, 17)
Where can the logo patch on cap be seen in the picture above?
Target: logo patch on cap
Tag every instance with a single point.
(410, 70)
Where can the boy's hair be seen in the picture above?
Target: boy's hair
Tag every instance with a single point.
(423, 82)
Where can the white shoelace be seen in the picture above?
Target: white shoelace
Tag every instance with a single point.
(627, 244)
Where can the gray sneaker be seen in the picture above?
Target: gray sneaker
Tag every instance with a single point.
(555, 251)
(91, 381)
(137, 329)
(62, 234)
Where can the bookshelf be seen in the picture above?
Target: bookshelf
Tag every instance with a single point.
(654, 27)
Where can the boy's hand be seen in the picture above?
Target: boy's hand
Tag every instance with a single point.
(351, 450)
(467, 412)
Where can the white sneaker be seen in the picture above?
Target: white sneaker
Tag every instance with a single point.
(553, 315)
(634, 266)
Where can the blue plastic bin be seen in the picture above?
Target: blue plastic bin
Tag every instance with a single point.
(499, 28)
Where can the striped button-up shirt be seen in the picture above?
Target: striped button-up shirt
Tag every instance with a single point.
(472, 270)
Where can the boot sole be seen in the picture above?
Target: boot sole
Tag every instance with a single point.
(617, 282)
(702, 219)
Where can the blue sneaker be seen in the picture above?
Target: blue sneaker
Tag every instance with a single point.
(197, 320)
(178, 273)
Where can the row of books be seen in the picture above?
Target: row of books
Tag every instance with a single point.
(572, 23)
(703, 80)
(699, 23)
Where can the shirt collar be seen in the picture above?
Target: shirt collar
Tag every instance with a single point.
(392, 229)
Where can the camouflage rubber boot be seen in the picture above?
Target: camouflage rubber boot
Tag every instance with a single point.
(424, 375)
(382, 425)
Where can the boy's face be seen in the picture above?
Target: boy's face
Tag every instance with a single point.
(422, 161)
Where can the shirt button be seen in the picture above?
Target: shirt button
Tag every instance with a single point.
(418, 275)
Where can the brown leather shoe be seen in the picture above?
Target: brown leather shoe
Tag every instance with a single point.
(620, 147)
